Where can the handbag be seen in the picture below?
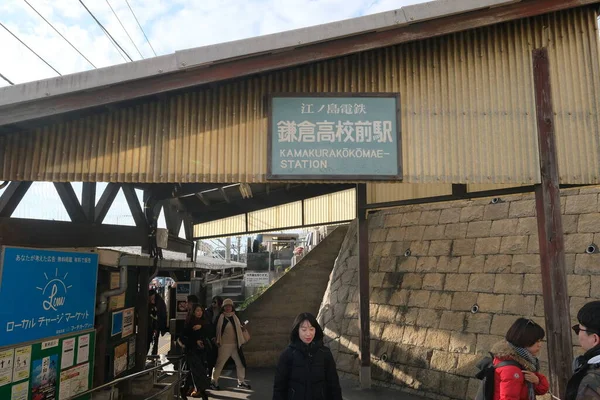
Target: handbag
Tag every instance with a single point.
(246, 335)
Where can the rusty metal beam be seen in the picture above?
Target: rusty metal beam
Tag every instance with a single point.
(106, 200)
(550, 232)
(12, 196)
(364, 347)
(69, 199)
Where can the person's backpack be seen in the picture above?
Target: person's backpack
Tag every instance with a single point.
(487, 373)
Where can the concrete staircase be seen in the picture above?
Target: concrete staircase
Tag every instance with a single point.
(234, 290)
(300, 290)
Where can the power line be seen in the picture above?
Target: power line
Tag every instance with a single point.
(6, 79)
(106, 31)
(127, 33)
(142, 29)
(30, 49)
(56, 30)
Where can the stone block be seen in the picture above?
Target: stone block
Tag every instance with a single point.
(463, 301)
(532, 284)
(471, 264)
(522, 208)
(526, 264)
(428, 318)
(478, 323)
(414, 335)
(481, 283)
(490, 303)
(578, 242)
(406, 264)
(589, 223)
(497, 263)
(412, 281)
(399, 298)
(454, 386)
(478, 229)
(374, 263)
(440, 247)
(444, 361)
(508, 284)
(463, 247)
(430, 217)
(588, 190)
(504, 227)
(462, 342)
(419, 298)
(414, 233)
(393, 220)
(533, 247)
(376, 329)
(411, 218)
(519, 305)
(496, 211)
(440, 301)
(539, 306)
(595, 281)
(426, 264)
(387, 264)
(449, 216)
(471, 213)
(514, 245)
(579, 285)
(434, 232)
(467, 364)
(395, 234)
(433, 281)
(431, 380)
(437, 339)
(456, 231)
(407, 316)
(501, 323)
(419, 248)
(386, 314)
(575, 303)
(570, 263)
(378, 235)
(570, 223)
(587, 264)
(393, 280)
(456, 282)
(448, 264)
(399, 248)
(487, 245)
(527, 226)
(381, 295)
(393, 333)
(452, 320)
(582, 204)
(486, 342)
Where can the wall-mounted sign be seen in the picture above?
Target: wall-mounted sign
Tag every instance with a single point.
(256, 279)
(335, 136)
(45, 293)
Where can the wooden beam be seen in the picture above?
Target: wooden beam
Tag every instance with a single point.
(550, 232)
(364, 321)
(12, 196)
(43, 233)
(225, 197)
(106, 200)
(88, 200)
(255, 64)
(180, 245)
(69, 199)
(134, 206)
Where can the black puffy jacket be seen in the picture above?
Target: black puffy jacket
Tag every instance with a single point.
(306, 372)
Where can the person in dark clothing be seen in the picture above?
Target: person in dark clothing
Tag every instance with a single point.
(157, 310)
(585, 382)
(306, 368)
(194, 338)
(212, 315)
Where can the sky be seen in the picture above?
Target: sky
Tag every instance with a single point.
(170, 25)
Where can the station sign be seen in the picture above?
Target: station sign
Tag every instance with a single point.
(45, 293)
(334, 137)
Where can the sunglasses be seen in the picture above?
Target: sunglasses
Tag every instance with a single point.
(578, 329)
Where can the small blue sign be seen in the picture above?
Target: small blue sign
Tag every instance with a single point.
(330, 136)
(117, 323)
(45, 293)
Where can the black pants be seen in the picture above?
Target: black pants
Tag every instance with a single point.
(152, 341)
(197, 377)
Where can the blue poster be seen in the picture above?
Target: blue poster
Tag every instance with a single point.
(117, 323)
(45, 293)
(43, 384)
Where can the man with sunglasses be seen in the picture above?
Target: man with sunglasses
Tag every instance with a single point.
(585, 382)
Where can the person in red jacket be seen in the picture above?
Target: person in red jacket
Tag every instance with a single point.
(523, 343)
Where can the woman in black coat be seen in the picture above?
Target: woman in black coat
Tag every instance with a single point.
(306, 369)
(195, 339)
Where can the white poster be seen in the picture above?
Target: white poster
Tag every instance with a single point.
(127, 322)
(49, 344)
(73, 381)
(6, 366)
(68, 353)
(20, 391)
(83, 348)
(22, 363)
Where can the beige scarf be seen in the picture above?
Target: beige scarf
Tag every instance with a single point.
(237, 325)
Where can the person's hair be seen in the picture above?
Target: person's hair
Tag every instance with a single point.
(589, 316)
(191, 315)
(219, 300)
(192, 298)
(151, 292)
(524, 333)
(295, 336)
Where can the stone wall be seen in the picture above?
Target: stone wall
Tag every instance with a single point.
(430, 264)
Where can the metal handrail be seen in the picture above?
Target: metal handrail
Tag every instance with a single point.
(113, 383)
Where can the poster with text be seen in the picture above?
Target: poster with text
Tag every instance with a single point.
(43, 384)
(127, 322)
(120, 359)
(83, 348)
(131, 362)
(74, 381)
(68, 353)
(19, 391)
(22, 363)
(6, 366)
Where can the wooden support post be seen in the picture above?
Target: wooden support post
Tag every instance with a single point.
(106, 200)
(88, 200)
(363, 285)
(141, 340)
(69, 199)
(552, 249)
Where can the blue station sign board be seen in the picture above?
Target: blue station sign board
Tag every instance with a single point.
(45, 293)
(335, 136)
